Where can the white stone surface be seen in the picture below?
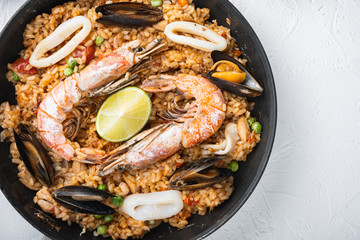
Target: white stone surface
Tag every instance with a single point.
(310, 189)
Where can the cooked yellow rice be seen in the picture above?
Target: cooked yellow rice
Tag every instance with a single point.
(31, 89)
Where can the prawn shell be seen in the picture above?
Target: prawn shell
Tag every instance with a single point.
(250, 87)
(34, 156)
(199, 175)
(126, 14)
(83, 199)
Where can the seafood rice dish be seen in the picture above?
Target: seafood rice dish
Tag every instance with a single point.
(129, 114)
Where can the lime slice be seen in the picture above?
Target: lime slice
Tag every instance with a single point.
(123, 114)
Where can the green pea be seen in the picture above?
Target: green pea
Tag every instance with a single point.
(117, 200)
(72, 63)
(102, 187)
(97, 216)
(99, 40)
(256, 127)
(102, 230)
(156, 3)
(108, 218)
(251, 121)
(16, 77)
(68, 72)
(234, 166)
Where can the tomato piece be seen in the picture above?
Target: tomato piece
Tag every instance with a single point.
(190, 202)
(89, 53)
(21, 66)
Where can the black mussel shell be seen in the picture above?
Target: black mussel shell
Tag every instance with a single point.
(198, 175)
(87, 193)
(127, 14)
(34, 156)
(83, 199)
(250, 87)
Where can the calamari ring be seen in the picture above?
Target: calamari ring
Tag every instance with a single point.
(62, 32)
(215, 42)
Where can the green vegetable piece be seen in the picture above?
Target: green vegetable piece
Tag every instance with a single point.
(68, 72)
(72, 63)
(117, 200)
(108, 218)
(234, 166)
(251, 121)
(102, 230)
(102, 187)
(256, 127)
(99, 40)
(16, 77)
(97, 216)
(156, 3)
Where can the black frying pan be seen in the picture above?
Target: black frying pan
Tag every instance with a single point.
(246, 178)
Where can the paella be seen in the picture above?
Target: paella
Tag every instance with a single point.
(129, 114)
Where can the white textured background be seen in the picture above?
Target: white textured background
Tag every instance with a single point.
(311, 187)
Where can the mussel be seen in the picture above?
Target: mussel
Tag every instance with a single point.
(127, 14)
(239, 80)
(34, 156)
(83, 199)
(199, 174)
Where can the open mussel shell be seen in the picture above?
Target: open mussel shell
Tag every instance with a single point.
(34, 156)
(83, 199)
(199, 174)
(250, 87)
(127, 14)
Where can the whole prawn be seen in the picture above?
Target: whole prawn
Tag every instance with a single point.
(196, 124)
(52, 110)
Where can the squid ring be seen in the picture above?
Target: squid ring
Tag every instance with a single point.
(153, 206)
(215, 42)
(62, 32)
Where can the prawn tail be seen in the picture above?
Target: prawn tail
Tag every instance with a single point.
(88, 155)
